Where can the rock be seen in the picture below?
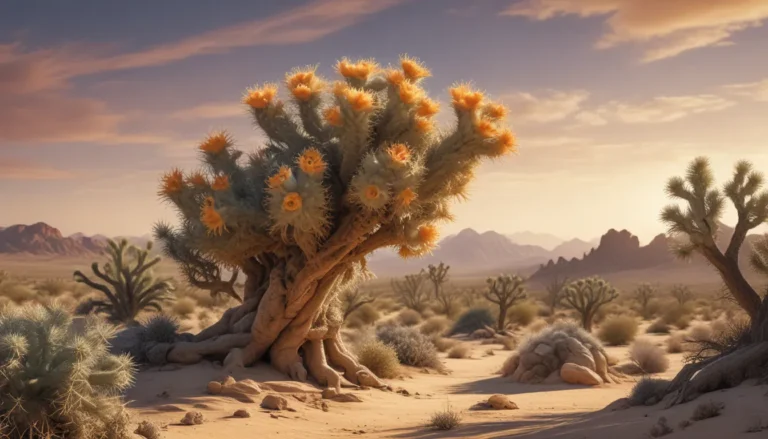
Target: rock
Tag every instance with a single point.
(324, 406)
(242, 413)
(481, 333)
(148, 430)
(329, 393)
(214, 387)
(128, 341)
(402, 391)
(202, 405)
(192, 418)
(579, 354)
(544, 350)
(501, 402)
(346, 397)
(274, 402)
(553, 378)
(234, 360)
(529, 359)
(288, 387)
(575, 374)
(601, 365)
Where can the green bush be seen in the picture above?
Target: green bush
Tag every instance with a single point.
(56, 383)
(472, 320)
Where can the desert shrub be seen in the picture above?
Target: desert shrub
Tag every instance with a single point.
(148, 430)
(184, 306)
(160, 328)
(472, 320)
(442, 344)
(447, 419)
(387, 305)
(648, 357)
(409, 317)
(368, 314)
(58, 385)
(380, 358)
(678, 315)
(706, 313)
(354, 322)
(509, 343)
(17, 292)
(706, 410)
(676, 344)
(412, 347)
(460, 350)
(53, 287)
(699, 333)
(558, 331)
(523, 313)
(538, 325)
(737, 334)
(618, 330)
(658, 327)
(648, 391)
(435, 325)
(661, 428)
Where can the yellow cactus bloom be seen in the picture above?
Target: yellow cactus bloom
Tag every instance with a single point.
(211, 219)
(405, 252)
(197, 179)
(406, 196)
(495, 111)
(359, 100)
(302, 92)
(280, 177)
(395, 77)
(409, 93)
(216, 142)
(485, 128)
(466, 99)
(428, 235)
(260, 97)
(220, 183)
(360, 70)
(427, 108)
(423, 124)
(399, 153)
(292, 202)
(311, 162)
(413, 69)
(505, 143)
(173, 182)
(333, 116)
(372, 192)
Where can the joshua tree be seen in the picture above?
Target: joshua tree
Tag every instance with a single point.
(4, 276)
(643, 294)
(682, 294)
(353, 299)
(555, 291)
(410, 291)
(505, 291)
(438, 275)
(342, 174)
(587, 295)
(128, 283)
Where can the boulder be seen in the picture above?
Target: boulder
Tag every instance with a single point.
(576, 374)
(544, 350)
(274, 402)
(501, 402)
(192, 418)
(579, 354)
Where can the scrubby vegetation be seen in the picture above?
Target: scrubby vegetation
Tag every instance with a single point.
(409, 317)
(445, 297)
(444, 420)
(379, 358)
(618, 330)
(504, 291)
(459, 350)
(435, 325)
(523, 313)
(643, 294)
(648, 391)
(471, 321)
(411, 291)
(412, 347)
(587, 296)
(648, 357)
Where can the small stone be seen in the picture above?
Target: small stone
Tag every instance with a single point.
(192, 418)
(274, 402)
(346, 397)
(402, 391)
(501, 402)
(324, 406)
(242, 413)
(148, 430)
(214, 387)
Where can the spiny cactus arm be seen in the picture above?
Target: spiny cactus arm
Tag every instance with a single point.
(83, 279)
(751, 204)
(759, 256)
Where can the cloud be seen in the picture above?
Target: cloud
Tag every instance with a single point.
(668, 27)
(550, 106)
(213, 110)
(11, 169)
(753, 90)
(662, 109)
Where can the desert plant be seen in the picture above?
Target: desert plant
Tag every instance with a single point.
(648, 357)
(444, 420)
(587, 295)
(128, 283)
(618, 330)
(459, 350)
(676, 344)
(368, 314)
(504, 291)
(52, 287)
(409, 317)
(379, 358)
(17, 292)
(411, 292)
(435, 325)
(682, 294)
(354, 298)
(643, 294)
(160, 328)
(648, 391)
(706, 410)
(523, 313)
(442, 344)
(678, 315)
(184, 306)
(471, 321)
(659, 326)
(55, 384)
(555, 290)
(412, 347)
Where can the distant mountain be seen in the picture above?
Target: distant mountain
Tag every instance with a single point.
(544, 240)
(43, 239)
(574, 248)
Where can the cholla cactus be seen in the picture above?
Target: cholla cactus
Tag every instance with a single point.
(55, 383)
(587, 295)
(505, 291)
(348, 168)
(129, 285)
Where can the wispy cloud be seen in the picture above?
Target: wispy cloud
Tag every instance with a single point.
(757, 91)
(662, 109)
(212, 110)
(547, 106)
(11, 169)
(667, 28)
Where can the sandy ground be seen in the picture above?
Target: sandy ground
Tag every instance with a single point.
(546, 411)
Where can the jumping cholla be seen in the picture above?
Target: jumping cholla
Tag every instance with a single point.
(348, 168)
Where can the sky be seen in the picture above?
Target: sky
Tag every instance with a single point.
(608, 98)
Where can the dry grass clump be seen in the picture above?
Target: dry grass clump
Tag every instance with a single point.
(444, 420)
(707, 410)
(618, 330)
(435, 325)
(540, 324)
(409, 317)
(442, 344)
(648, 391)
(678, 315)
(17, 292)
(676, 343)
(412, 347)
(367, 314)
(700, 332)
(658, 327)
(387, 305)
(661, 428)
(461, 350)
(648, 357)
(523, 313)
(380, 358)
(184, 306)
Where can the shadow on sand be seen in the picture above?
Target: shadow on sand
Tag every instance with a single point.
(493, 385)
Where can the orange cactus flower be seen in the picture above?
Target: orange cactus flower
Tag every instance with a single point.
(173, 182)
(413, 69)
(485, 128)
(260, 97)
(405, 252)
(505, 142)
(427, 108)
(340, 88)
(359, 100)
(428, 235)
(495, 111)
(211, 219)
(399, 153)
(372, 192)
(424, 125)
(409, 93)
(466, 99)
(302, 77)
(395, 77)
(406, 196)
(302, 92)
(360, 70)
(280, 177)
(311, 162)
(220, 183)
(197, 179)
(216, 142)
(292, 202)
(333, 116)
